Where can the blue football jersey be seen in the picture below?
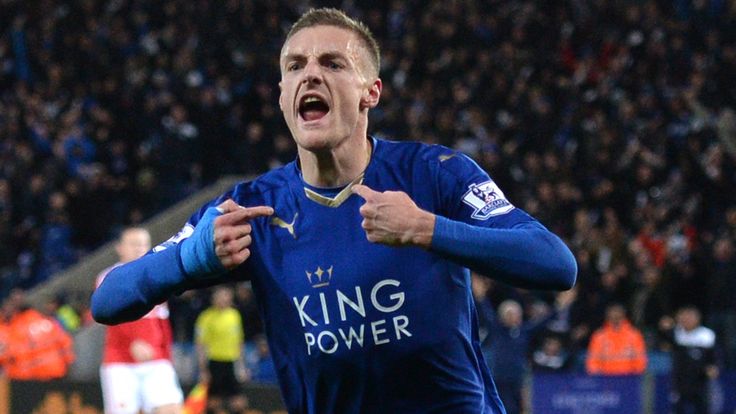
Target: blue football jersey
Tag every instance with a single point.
(359, 327)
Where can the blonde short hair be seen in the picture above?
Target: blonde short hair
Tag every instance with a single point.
(333, 17)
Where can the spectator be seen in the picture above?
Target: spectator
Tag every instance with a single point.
(616, 348)
(64, 313)
(263, 366)
(507, 347)
(551, 356)
(508, 341)
(649, 304)
(36, 348)
(219, 339)
(694, 363)
(245, 302)
(185, 309)
(56, 246)
(721, 297)
(486, 315)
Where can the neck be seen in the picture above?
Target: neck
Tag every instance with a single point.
(336, 166)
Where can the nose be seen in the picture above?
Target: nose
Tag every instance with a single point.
(312, 73)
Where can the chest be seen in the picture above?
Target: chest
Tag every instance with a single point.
(321, 252)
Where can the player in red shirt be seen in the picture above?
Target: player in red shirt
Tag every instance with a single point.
(137, 372)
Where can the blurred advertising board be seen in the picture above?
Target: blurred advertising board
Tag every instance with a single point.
(583, 394)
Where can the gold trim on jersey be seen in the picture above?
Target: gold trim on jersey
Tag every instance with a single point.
(277, 221)
(445, 157)
(338, 199)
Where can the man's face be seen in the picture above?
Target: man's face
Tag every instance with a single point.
(222, 298)
(326, 86)
(511, 316)
(133, 244)
(688, 319)
(615, 314)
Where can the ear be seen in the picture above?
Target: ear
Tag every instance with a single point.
(371, 95)
(281, 96)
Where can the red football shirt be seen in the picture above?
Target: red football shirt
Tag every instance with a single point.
(154, 328)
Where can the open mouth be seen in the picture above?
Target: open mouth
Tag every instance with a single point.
(312, 108)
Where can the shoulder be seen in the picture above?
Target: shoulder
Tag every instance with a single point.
(205, 316)
(233, 313)
(632, 329)
(699, 337)
(605, 333)
(412, 150)
(597, 335)
(264, 186)
(428, 156)
(262, 190)
(707, 336)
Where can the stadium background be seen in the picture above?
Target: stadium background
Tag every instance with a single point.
(613, 122)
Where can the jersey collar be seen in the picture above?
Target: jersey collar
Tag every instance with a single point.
(335, 200)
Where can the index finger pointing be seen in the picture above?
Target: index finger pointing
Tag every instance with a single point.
(364, 191)
(246, 213)
(258, 211)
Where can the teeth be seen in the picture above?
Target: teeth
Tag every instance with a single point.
(311, 99)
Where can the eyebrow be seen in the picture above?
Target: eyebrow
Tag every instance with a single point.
(330, 54)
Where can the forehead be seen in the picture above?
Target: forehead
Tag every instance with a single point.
(135, 235)
(320, 40)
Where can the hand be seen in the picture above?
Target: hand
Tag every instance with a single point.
(221, 239)
(232, 232)
(392, 218)
(141, 350)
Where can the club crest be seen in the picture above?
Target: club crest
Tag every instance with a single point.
(320, 277)
(487, 200)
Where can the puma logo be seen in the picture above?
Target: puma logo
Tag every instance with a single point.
(276, 221)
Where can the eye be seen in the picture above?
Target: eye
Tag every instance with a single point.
(334, 65)
(293, 66)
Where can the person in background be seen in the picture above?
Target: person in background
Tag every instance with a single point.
(263, 367)
(57, 307)
(693, 360)
(650, 302)
(245, 302)
(508, 345)
(137, 372)
(219, 340)
(721, 297)
(34, 346)
(551, 356)
(509, 340)
(616, 348)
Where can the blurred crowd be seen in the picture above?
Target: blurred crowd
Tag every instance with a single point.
(612, 122)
